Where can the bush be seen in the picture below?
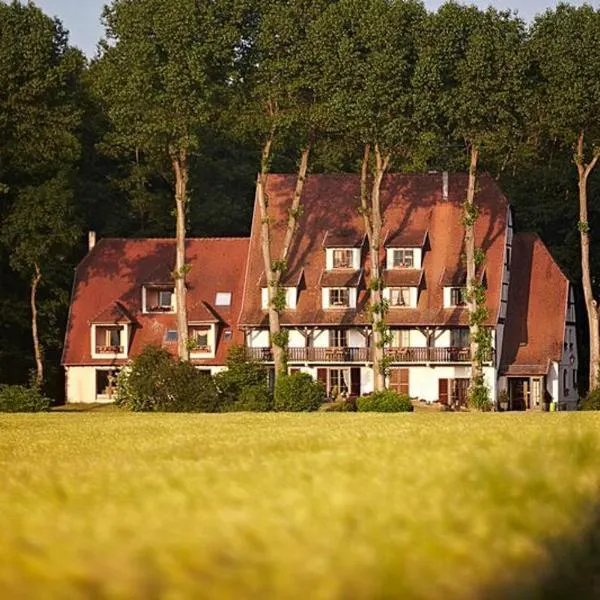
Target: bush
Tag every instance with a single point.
(256, 398)
(18, 398)
(156, 381)
(592, 400)
(241, 374)
(384, 401)
(298, 393)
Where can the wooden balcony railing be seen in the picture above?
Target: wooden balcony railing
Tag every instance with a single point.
(398, 355)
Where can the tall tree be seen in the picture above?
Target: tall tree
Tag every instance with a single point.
(40, 118)
(371, 57)
(471, 78)
(283, 107)
(164, 72)
(566, 47)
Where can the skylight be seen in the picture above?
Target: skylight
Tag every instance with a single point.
(223, 299)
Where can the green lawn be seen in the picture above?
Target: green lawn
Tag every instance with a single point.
(433, 505)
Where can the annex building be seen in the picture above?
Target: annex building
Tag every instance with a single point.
(123, 297)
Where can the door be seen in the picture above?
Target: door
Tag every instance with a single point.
(518, 390)
(443, 391)
(399, 380)
(355, 381)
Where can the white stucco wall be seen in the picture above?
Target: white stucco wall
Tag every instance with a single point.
(258, 338)
(81, 386)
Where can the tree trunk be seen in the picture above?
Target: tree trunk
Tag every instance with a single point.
(373, 226)
(591, 305)
(179, 159)
(37, 349)
(476, 366)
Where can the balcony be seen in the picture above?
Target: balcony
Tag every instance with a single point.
(343, 355)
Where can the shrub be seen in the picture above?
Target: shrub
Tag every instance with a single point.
(255, 398)
(384, 401)
(592, 400)
(298, 393)
(156, 381)
(18, 398)
(241, 374)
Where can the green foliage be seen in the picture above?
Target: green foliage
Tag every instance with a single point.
(591, 401)
(241, 374)
(479, 395)
(18, 398)
(298, 393)
(384, 401)
(255, 398)
(281, 338)
(344, 405)
(155, 381)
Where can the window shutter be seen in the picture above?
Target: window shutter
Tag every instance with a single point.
(404, 379)
(443, 391)
(322, 376)
(355, 381)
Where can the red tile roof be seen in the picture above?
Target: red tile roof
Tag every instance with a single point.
(403, 277)
(115, 270)
(340, 278)
(412, 204)
(537, 305)
(402, 238)
(114, 313)
(344, 238)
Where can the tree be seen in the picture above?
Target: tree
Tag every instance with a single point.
(283, 106)
(40, 120)
(164, 72)
(371, 50)
(471, 78)
(566, 49)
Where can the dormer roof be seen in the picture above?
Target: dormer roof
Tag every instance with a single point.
(344, 238)
(115, 313)
(406, 237)
(403, 277)
(341, 278)
(289, 279)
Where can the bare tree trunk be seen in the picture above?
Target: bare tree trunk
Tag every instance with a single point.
(39, 377)
(591, 305)
(470, 213)
(179, 160)
(373, 225)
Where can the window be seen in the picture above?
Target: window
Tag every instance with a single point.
(200, 336)
(457, 297)
(223, 299)
(159, 300)
(403, 258)
(508, 258)
(108, 339)
(106, 382)
(339, 297)
(342, 259)
(400, 296)
(574, 378)
(401, 338)
(227, 335)
(339, 381)
(460, 338)
(171, 335)
(338, 338)
(565, 382)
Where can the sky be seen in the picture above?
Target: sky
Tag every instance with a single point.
(82, 17)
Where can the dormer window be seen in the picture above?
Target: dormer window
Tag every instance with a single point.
(458, 296)
(343, 258)
(403, 258)
(159, 300)
(201, 338)
(339, 297)
(400, 296)
(108, 339)
(223, 299)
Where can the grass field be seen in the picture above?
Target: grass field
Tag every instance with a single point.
(115, 505)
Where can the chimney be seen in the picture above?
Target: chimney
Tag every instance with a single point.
(91, 240)
(445, 186)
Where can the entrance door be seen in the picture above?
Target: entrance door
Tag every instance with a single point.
(453, 392)
(518, 390)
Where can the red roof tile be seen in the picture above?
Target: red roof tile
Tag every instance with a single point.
(116, 269)
(403, 277)
(344, 238)
(402, 238)
(412, 204)
(341, 278)
(537, 304)
(114, 313)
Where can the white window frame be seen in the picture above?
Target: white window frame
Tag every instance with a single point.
(170, 308)
(399, 258)
(123, 341)
(347, 262)
(342, 292)
(402, 293)
(462, 291)
(223, 299)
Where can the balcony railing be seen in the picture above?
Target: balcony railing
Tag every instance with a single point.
(397, 355)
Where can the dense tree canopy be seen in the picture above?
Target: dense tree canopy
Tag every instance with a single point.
(184, 96)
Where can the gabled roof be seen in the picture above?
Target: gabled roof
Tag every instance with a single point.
(537, 304)
(341, 278)
(412, 204)
(403, 277)
(289, 279)
(406, 238)
(457, 276)
(114, 313)
(344, 238)
(118, 268)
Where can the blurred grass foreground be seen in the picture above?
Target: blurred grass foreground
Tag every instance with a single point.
(311, 506)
